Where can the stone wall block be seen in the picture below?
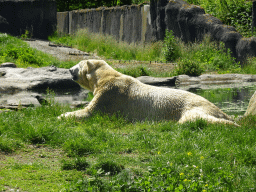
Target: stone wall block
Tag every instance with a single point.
(157, 11)
(186, 24)
(245, 47)
(230, 40)
(63, 23)
(172, 11)
(39, 17)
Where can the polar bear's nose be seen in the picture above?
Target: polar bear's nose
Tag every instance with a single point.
(74, 72)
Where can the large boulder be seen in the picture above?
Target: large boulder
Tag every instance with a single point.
(14, 79)
(251, 110)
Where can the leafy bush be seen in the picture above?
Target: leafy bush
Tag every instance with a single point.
(170, 49)
(188, 67)
(79, 164)
(237, 13)
(135, 71)
(109, 167)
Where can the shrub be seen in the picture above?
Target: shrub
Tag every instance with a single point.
(79, 164)
(189, 67)
(109, 167)
(170, 49)
(135, 71)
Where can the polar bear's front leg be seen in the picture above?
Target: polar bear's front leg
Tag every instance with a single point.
(79, 114)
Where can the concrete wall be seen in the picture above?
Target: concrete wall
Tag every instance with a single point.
(125, 23)
(39, 17)
(145, 23)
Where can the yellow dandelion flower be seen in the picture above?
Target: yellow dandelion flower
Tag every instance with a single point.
(189, 153)
(185, 180)
(206, 185)
(202, 157)
(158, 152)
(204, 190)
(181, 174)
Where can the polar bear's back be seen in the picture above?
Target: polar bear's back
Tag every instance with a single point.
(152, 102)
(138, 101)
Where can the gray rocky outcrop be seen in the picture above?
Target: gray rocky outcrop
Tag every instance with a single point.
(251, 110)
(17, 79)
(19, 86)
(8, 64)
(202, 81)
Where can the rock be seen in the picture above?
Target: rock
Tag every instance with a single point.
(52, 68)
(17, 79)
(251, 110)
(169, 81)
(202, 81)
(20, 100)
(8, 64)
(246, 47)
(188, 23)
(4, 25)
(77, 104)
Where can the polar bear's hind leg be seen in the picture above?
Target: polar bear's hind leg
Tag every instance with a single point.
(194, 114)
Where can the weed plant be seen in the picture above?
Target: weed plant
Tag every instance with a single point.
(112, 154)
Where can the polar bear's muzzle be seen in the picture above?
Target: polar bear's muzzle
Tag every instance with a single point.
(74, 72)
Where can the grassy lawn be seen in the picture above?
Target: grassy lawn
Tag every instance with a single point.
(38, 152)
(41, 153)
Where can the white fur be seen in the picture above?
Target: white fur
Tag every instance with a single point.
(118, 93)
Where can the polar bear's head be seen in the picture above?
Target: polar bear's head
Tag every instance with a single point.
(87, 73)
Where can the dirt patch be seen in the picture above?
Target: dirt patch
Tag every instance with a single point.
(46, 156)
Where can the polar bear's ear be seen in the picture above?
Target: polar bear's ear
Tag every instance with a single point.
(89, 76)
(90, 66)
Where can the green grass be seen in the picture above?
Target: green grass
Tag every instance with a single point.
(108, 47)
(197, 57)
(109, 153)
(16, 50)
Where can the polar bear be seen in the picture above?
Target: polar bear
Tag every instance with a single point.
(116, 93)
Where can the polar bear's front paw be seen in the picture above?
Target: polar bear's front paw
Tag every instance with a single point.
(66, 115)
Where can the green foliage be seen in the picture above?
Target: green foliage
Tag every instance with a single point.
(108, 47)
(109, 167)
(79, 164)
(17, 51)
(8, 145)
(171, 49)
(188, 67)
(237, 13)
(209, 56)
(135, 71)
(138, 156)
(192, 58)
(82, 4)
